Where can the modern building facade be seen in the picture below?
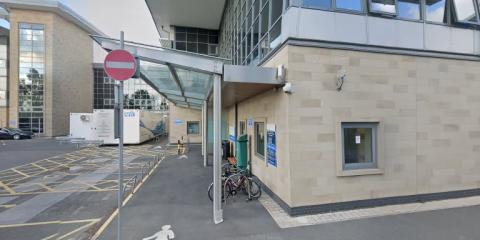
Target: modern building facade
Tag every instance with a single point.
(382, 101)
(49, 64)
(137, 93)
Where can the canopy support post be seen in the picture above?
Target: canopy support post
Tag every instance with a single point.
(217, 151)
(204, 132)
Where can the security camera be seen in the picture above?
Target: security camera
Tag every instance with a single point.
(287, 88)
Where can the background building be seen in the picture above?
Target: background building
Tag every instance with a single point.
(50, 67)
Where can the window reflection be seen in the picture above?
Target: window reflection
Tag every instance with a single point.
(409, 9)
(31, 77)
(322, 4)
(351, 5)
(383, 6)
(465, 11)
(435, 11)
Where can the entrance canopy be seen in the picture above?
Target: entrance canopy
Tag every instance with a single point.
(186, 79)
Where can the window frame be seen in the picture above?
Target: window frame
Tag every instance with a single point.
(378, 168)
(368, 165)
(382, 13)
(455, 17)
(447, 11)
(193, 122)
(255, 133)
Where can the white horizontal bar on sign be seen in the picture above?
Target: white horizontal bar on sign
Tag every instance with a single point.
(127, 65)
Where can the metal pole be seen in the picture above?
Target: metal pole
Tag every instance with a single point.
(217, 151)
(205, 132)
(120, 150)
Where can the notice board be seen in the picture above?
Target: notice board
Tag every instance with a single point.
(271, 145)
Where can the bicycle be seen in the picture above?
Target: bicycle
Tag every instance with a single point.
(235, 183)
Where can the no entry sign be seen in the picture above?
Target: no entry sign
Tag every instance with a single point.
(120, 65)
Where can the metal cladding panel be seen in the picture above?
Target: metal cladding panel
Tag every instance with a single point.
(359, 29)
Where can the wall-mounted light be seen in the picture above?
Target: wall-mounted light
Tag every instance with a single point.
(341, 77)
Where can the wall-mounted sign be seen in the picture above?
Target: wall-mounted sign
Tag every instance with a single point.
(271, 145)
(178, 121)
(250, 123)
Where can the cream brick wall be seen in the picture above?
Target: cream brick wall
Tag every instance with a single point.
(3, 117)
(176, 131)
(72, 73)
(271, 107)
(429, 108)
(68, 69)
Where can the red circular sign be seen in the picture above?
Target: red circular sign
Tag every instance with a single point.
(120, 65)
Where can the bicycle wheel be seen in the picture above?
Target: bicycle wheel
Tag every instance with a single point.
(254, 187)
(210, 192)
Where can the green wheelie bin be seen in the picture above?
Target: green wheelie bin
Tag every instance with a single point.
(242, 151)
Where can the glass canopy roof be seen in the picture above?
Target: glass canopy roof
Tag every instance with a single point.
(185, 79)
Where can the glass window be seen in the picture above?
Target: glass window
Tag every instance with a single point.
(260, 138)
(382, 6)
(264, 23)
(322, 4)
(193, 128)
(435, 11)
(465, 11)
(359, 145)
(350, 5)
(409, 9)
(276, 9)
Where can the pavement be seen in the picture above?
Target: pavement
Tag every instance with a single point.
(176, 195)
(19, 152)
(65, 196)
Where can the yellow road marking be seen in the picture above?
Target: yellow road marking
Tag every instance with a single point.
(125, 201)
(49, 223)
(50, 237)
(91, 185)
(8, 205)
(77, 230)
(46, 187)
(21, 173)
(38, 166)
(60, 164)
(67, 191)
(7, 188)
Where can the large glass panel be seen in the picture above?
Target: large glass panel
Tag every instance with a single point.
(264, 22)
(195, 84)
(409, 9)
(359, 150)
(350, 5)
(435, 11)
(276, 9)
(465, 11)
(322, 4)
(383, 6)
(31, 77)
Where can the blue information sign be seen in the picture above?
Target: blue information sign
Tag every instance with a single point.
(271, 146)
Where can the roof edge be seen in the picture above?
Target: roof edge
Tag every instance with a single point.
(57, 7)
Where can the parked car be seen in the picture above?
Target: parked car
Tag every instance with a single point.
(14, 133)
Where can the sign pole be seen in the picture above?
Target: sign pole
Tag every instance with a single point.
(120, 149)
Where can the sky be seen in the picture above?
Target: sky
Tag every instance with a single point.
(113, 16)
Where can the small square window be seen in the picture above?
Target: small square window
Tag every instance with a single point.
(193, 128)
(260, 139)
(359, 145)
